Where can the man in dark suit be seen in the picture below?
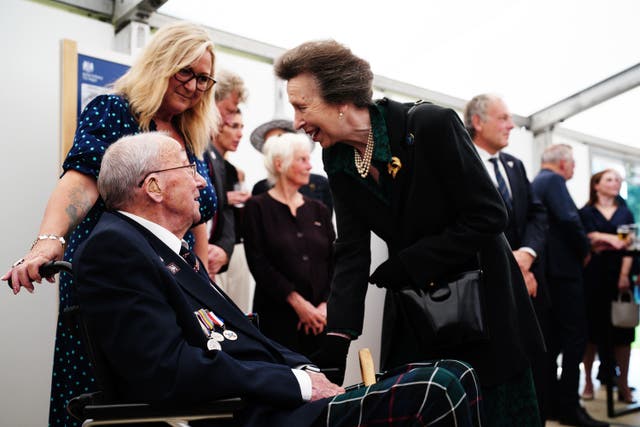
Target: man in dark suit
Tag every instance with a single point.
(489, 123)
(566, 249)
(230, 92)
(169, 334)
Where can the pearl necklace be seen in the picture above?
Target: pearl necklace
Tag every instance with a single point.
(364, 163)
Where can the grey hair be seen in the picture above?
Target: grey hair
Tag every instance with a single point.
(555, 153)
(126, 162)
(477, 106)
(282, 147)
(227, 83)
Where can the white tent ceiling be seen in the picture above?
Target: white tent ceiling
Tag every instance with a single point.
(533, 53)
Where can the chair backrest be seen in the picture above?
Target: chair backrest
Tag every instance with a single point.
(98, 362)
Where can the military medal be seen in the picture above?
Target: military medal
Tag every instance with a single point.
(214, 338)
(230, 335)
(212, 344)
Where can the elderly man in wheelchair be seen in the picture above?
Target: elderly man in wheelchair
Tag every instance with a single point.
(170, 336)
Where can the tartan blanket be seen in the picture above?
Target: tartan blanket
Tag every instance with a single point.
(436, 393)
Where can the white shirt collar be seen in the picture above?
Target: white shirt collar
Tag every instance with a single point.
(167, 237)
(485, 156)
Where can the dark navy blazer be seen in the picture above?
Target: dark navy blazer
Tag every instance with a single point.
(567, 243)
(139, 297)
(527, 222)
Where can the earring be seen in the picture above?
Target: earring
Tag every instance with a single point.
(341, 115)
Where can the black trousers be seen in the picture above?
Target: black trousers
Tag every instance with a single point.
(567, 336)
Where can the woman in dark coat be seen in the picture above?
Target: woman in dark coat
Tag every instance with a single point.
(410, 174)
(606, 274)
(288, 241)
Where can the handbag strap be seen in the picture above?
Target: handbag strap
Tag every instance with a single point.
(626, 292)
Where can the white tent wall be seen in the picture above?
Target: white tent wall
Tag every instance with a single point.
(31, 125)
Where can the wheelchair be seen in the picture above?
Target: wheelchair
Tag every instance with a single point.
(100, 407)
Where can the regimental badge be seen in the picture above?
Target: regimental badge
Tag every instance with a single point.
(394, 166)
(174, 269)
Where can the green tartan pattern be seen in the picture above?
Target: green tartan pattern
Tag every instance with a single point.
(438, 393)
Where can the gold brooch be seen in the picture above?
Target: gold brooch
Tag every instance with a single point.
(394, 166)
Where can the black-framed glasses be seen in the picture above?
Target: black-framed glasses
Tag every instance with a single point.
(204, 82)
(191, 166)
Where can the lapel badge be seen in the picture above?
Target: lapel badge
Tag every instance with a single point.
(174, 269)
(510, 163)
(409, 139)
(394, 166)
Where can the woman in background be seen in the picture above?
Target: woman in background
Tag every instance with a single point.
(606, 274)
(289, 247)
(167, 89)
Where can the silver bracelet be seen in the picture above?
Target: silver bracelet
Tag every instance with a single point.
(48, 237)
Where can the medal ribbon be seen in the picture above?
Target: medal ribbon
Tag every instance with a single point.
(205, 321)
(215, 319)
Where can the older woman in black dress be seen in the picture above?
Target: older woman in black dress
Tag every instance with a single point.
(606, 274)
(289, 248)
(409, 173)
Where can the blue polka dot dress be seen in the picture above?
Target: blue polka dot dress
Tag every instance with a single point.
(103, 121)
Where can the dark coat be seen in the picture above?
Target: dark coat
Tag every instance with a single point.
(444, 211)
(223, 233)
(527, 222)
(140, 312)
(567, 244)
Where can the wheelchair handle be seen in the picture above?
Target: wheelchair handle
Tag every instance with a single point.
(50, 268)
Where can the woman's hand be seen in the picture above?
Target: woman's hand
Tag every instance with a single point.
(607, 241)
(25, 271)
(311, 318)
(623, 282)
(323, 309)
(73, 196)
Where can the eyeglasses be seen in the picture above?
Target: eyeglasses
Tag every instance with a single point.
(204, 82)
(191, 166)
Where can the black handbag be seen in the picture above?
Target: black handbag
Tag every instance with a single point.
(447, 313)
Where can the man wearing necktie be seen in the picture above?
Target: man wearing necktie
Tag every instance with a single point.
(489, 123)
(168, 334)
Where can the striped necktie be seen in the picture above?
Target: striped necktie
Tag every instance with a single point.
(189, 257)
(502, 185)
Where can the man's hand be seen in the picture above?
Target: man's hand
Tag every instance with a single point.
(531, 283)
(237, 197)
(321, 387)
(217, 257)
(524, 259)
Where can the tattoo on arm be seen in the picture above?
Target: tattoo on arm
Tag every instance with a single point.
(79, 205)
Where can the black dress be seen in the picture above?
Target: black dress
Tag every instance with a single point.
(288, 253)
(601, 278)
